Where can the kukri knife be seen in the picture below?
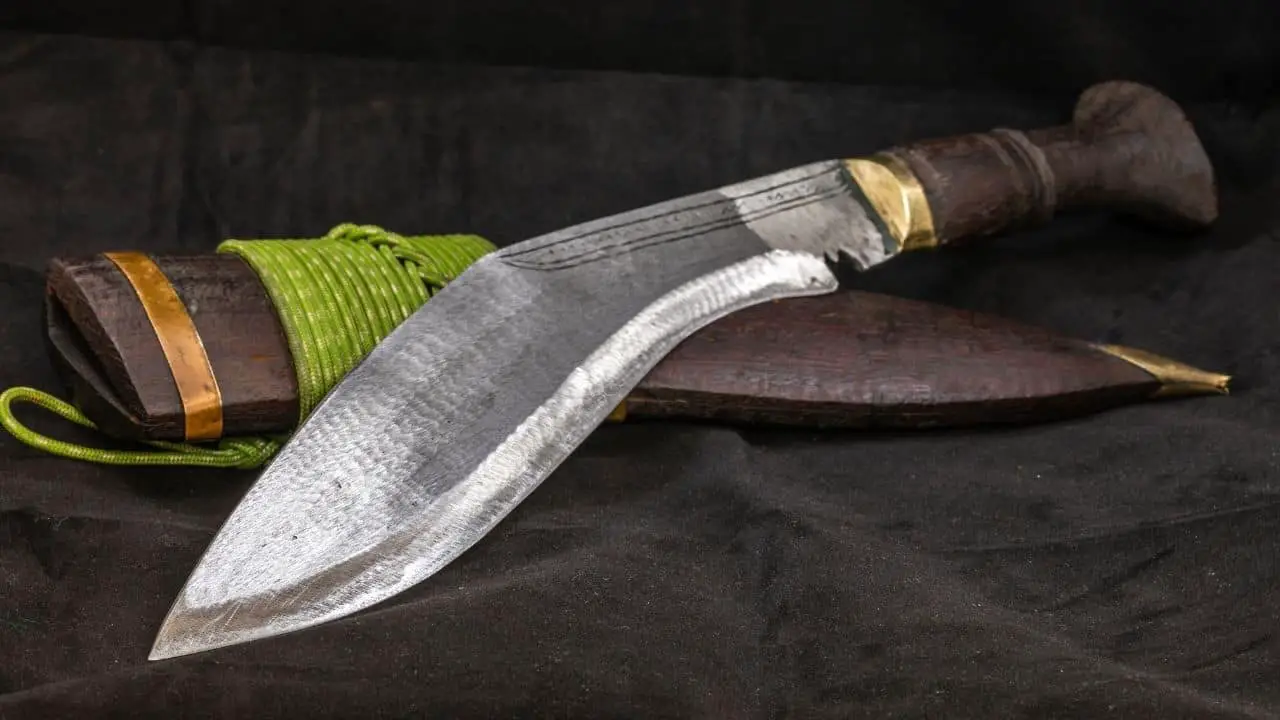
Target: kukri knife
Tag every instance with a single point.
(468, 405)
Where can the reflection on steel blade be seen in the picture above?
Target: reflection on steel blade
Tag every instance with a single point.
(467, 406)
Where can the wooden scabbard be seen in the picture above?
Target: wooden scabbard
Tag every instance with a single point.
(849, 360)
(852, 359)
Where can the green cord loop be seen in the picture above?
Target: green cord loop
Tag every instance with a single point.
(336, 297)
(241, 453)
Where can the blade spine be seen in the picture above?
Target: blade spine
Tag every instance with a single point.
(589, 227)
(685, 232)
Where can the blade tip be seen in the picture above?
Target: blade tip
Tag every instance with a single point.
(167, 645)
(185, 632)
(176, 638)
(158, 654)
(162, 649)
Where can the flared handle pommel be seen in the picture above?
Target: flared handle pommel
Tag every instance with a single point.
(1128, 148)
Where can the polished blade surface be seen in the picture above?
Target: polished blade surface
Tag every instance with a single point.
(468, 405)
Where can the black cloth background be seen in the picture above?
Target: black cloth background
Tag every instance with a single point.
(1121, 565)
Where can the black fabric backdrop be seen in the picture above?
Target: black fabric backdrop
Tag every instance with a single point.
(1121, 565)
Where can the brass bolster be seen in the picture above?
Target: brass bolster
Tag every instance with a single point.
(897, 197)
(181, 343)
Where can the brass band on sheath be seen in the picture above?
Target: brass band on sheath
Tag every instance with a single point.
(1175, 378)
(181, 343)
(897, 196)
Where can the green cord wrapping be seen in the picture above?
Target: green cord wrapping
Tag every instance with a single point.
(336, 297)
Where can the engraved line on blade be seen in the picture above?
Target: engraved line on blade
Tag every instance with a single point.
(670, 207)
(460, 517)
(684, 232)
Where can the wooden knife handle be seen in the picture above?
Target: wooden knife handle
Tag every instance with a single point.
(851, 359)
(1128, 148)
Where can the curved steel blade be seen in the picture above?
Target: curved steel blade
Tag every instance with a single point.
(467, 406)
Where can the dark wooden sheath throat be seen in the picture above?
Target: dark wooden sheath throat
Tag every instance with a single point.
(852, 359)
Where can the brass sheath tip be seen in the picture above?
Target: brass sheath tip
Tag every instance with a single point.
(1175, 378)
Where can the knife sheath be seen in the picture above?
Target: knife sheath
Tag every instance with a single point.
(847, 360)
(852, 360)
